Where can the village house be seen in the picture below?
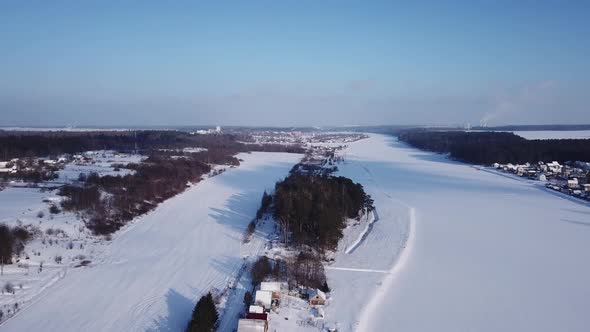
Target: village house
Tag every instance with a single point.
(573, 183)
(317, 297)
(554, 166)
(8, 167)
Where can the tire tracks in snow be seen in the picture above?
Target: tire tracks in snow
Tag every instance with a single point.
(398, 265)
(366, 231)
(401, 260)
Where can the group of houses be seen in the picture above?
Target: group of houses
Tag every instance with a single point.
(27, 165)
(9, 167)
(570, 178)
(268, 298)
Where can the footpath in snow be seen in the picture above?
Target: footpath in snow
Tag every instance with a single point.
(154, 271)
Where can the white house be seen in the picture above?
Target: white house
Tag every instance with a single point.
(554, 166)
(317, 297)
(572, 183)
(264, 299)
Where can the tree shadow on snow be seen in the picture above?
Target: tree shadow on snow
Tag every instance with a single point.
(238, 210)
(227, 265)
(179, 313)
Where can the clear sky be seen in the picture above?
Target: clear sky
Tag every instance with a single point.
(287, 62)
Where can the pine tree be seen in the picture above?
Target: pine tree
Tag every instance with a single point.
(247, 299)
(325, 287)
(204, 315)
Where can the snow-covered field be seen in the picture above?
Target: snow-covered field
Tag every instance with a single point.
(481, 252)
(149, 277)
(554, 134)
(102, 164)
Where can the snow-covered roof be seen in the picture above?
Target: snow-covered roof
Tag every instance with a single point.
(270, 286)
(256, 309)
(251, 325)
(318, 293)
(264, 298)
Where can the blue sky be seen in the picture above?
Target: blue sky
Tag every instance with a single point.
(293, 62)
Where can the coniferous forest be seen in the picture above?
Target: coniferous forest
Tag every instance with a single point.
(314, 208)
(497, 147)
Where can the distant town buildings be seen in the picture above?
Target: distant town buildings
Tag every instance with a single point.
(216, 131)
(572, 178)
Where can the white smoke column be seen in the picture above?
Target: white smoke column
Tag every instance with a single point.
(520, 101)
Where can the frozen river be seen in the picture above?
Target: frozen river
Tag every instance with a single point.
(488, 253)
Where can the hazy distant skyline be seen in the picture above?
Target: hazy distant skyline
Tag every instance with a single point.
(294, 63)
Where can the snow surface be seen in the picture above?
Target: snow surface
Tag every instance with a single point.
(479, 252)
(152, 273)
(454, 248)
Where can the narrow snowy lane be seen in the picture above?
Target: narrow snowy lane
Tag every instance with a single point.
(154, 271)
(489, 253)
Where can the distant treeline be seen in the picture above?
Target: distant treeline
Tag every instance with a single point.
(14, 144)
(314, 208)
(559, 127)
(501, 147)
